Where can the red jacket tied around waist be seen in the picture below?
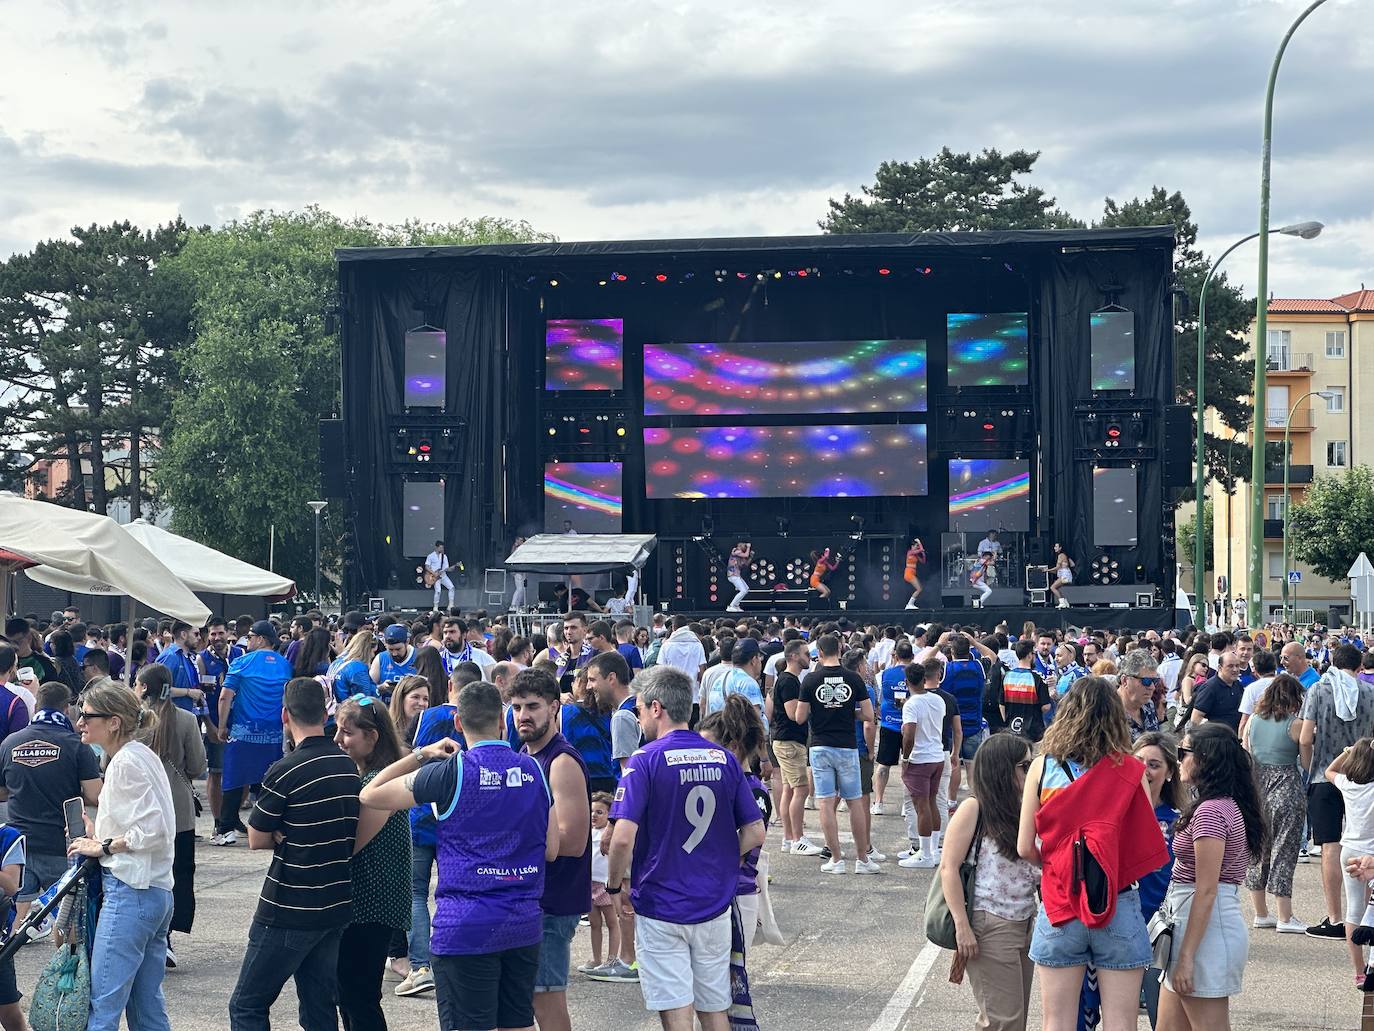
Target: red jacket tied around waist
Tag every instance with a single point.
(1103, 819)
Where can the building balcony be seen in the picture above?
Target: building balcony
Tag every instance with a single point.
(1303, 421)
(1288, 362)
(1297, 474)
(1273, 529)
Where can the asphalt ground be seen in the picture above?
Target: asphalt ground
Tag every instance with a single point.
(854, 957)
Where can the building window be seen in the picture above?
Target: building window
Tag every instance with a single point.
(1336, 402)
(1335, 344)
(1335, 454)
(1279, 350)
(1275, 406)
(1274, 564)
(1273, 506)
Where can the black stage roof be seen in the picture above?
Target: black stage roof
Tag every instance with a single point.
(968, 243)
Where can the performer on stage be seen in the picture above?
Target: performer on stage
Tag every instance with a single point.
(520, 598)
(734, 572)
(915, 555)
(436, 572)
(824, 565)
(982, 576)
(1063, 575)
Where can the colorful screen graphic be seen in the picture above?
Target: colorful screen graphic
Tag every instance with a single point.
(988, 350)
(587, 494)
(989, 494)
(785, 377)
(1114, 508)
(584, 354)
(424, 367)
(1113, 350)
(422, 516)
(785, 462)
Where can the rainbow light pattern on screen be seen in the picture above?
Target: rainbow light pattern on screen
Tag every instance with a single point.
(988, 350)
(584, 354)
(785, 377)
(995, 492)
(588, 493)
(785, 461)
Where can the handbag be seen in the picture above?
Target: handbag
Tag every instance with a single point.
(1161, 932)
(62, 996)
(939, 921)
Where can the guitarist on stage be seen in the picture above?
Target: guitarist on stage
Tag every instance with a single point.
(436, 573)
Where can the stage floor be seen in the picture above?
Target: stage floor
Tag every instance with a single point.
(1080, 617)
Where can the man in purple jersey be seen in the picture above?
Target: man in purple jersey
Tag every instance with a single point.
(496, 831)
(685, 812)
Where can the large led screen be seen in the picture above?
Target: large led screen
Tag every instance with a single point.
(422, 516)
(785, 377)
(424, 367)
(785, 462)
(1113, 350)
(1114, 508)
(585, 494)
(584, 354)
(988, 350)
(989, 494)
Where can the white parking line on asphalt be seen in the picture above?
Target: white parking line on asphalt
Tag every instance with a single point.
(896, 1009)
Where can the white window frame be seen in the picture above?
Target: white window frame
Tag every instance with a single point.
(1336, 405)
(1344, 454)
(1271, 502)
(1280, 341)
(1337, 337)
(1273, 559)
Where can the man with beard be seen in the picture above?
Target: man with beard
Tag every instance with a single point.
(567, 878)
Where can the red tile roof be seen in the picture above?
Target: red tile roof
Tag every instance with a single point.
(1358, 300)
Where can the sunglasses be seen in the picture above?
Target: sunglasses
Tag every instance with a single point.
(362, 699)
(1183, 752)
(1149, 681)
(83, 716)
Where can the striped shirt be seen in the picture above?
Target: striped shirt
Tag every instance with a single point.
(311, 797)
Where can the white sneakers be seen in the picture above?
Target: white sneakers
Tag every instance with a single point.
(836, 866)
(1291, 926)
(803, 847)
(867, 866)
(874, 856)
(1260, 923)
(876, 809)
(227, 838)
(920, 861)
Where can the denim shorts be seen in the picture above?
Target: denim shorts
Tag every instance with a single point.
(971, 743)
(555, 953)
(836, 771)
(1124, 944)
(41, 872)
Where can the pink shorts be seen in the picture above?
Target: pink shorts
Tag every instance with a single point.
(600, 899)
(922, 780)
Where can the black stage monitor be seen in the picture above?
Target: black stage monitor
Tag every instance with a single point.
(1114, 508)
(425, 366)
(1113, 350)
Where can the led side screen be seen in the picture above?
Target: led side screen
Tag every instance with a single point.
(422, 516)
(1114, 508)
(584, 354)
(989, 494)
(988, 350)
(785, 377)
(1113, 350)
(586, 494)
(424, 366)
(785, 462)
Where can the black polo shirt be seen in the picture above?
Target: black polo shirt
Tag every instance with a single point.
(311, 796)
(1219, 701)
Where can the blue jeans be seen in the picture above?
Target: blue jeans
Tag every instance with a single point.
(421, 862)
(129, 957)
(275, 954)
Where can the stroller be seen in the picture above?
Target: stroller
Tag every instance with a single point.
(62, 997)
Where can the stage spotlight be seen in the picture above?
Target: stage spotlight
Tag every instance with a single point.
(777, 275)
(601, 283)
(741, 275)
(553, 282)
(884, 272)
(802, 272)
(661, 278)
(620, 431)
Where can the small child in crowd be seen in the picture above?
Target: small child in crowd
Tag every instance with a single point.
(603, 905)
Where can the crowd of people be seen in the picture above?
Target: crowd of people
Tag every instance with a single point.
(447, 801)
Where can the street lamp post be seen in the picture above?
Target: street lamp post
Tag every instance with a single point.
(317, 507)
(1230, 497)
(1305, 231)
(1256, 577)
(1325, 395)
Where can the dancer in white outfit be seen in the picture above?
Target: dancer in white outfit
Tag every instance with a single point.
(734, 572)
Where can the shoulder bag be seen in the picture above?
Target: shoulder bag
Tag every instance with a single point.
(62, 997)
(939, 920)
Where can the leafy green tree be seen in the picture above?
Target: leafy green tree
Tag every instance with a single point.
(260, 371)
(1183, 538)
(1229, 313)
(88, 335)
(1334, 523)
(949, 192)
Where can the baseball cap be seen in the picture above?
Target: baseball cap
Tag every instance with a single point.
(744, 650)
(397, 634)
(353, 620)
(264, 628)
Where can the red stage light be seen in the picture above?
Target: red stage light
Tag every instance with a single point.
(661, 278)
(741, 275)
(584, 430)
(425, 447)
(802, 272)
(884, 272)
(1113, 432)
(989, 426)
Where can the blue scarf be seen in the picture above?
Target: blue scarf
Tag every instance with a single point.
(54, 718)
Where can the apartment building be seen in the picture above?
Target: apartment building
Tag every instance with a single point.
(1314, 344)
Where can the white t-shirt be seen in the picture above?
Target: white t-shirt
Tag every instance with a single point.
(1168, 671)
(711, 677)
(1358, 834)
(1252, 695)
(601, 865)
(434, 561)
(774, 665)
(881, 655)
(989, 545)
(927, 712)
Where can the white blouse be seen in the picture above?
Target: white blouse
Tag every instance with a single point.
(136, 804)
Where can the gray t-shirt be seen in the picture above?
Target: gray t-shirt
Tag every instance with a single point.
(1333, 734)
(625, 734)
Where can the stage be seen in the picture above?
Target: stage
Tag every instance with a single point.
(987, 619)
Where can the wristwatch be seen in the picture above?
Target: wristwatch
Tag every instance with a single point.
(613, 891)
(105, 846)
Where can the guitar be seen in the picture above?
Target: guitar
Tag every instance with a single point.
(431, 576)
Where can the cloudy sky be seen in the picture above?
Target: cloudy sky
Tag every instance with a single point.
(655, 118)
